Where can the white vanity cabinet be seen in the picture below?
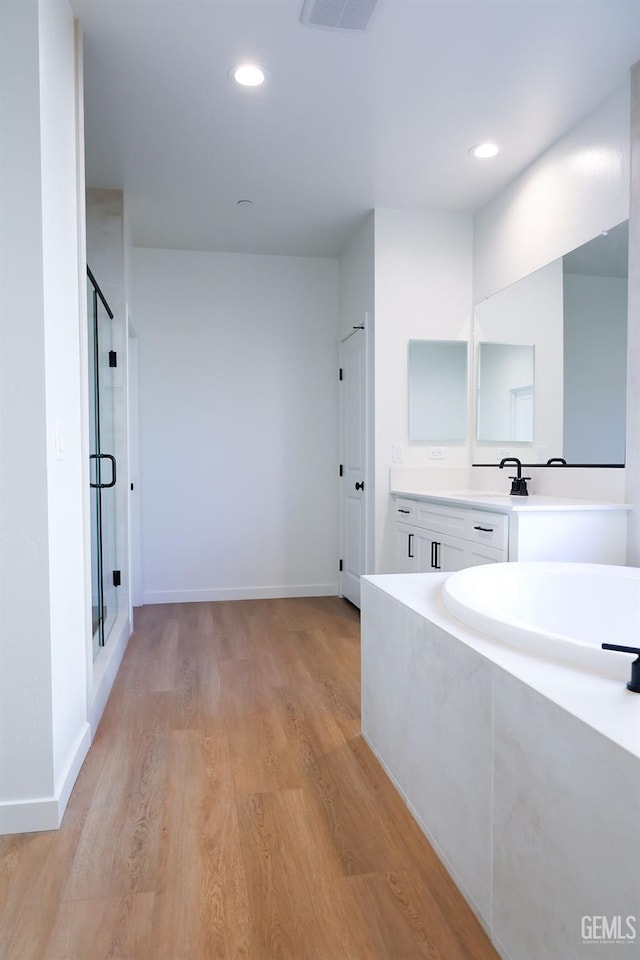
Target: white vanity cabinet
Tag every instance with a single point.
(448, 533)
(434, 536)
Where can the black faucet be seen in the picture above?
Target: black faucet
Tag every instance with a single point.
(519, 484)
(634, 683)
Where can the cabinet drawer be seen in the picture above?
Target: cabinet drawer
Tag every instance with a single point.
(440, 519)
(489, 529)
(405, 510)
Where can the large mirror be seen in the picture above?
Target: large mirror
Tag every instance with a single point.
(438, 409)
(574, 312)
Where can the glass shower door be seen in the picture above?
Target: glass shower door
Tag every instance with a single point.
(103, 467)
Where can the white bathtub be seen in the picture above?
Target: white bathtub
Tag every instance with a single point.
(564, 611)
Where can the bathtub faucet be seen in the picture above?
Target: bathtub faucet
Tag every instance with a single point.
(519, 483)
(634, 683)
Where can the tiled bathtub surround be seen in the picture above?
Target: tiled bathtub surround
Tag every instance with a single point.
(524, 774)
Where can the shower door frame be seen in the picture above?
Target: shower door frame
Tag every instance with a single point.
(103, 506)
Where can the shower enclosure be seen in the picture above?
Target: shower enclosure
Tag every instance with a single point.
(105, 575)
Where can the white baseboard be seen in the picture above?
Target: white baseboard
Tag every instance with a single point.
(72, 769)
(241, 593)
(46, 813)
(29, 816)
(105, 668)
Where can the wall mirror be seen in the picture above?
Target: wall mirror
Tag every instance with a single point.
(574, 312)
(505, 392)
(437, 375)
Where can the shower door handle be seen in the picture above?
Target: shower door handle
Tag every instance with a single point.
(112, 459)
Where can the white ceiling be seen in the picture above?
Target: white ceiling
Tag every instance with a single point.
(347, 121)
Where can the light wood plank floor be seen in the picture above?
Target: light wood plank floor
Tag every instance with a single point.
(229, 808)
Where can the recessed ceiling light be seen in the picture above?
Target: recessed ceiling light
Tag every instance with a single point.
(244, 203)
(484, 151)
(248, 74)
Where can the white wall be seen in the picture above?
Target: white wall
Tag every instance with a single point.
(43, 729)
(422, 291)
(26, 758)
(357, 279)
(573, 192)
(64, 389)
(238, 382)
(577, 189)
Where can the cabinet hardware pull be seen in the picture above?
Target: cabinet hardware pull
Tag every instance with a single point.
(410, 546)
(437, 563)
(360, 486)
(484, 529)
(400, 510)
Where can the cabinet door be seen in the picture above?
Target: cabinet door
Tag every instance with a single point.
(424, 550)
(478, 554)
(429, 551)
(439, 552)
(405, 548)
(452, 553)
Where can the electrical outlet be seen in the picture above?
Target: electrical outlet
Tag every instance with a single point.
(397, 453)
(437, 453)
(541, 453)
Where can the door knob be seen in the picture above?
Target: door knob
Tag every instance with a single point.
(360, 486)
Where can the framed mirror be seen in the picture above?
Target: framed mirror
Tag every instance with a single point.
(437, 377)
(573, 312)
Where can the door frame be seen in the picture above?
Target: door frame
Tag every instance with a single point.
(133, 478)
(369, 485)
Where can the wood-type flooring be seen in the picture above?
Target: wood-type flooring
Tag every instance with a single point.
(229, 808)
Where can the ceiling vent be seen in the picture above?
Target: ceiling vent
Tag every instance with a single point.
(337, 14)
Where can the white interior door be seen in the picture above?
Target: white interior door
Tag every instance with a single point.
(352, 493)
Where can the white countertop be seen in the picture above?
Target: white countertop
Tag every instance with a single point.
(604, 704)
(503, 503)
